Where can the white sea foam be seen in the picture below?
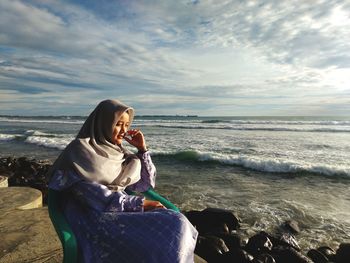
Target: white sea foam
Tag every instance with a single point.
(36, 133)
(45, 134)
(8, 137)
(58, 143)
(277, 165)
(263, 164)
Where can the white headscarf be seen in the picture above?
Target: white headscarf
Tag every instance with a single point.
(93, 155)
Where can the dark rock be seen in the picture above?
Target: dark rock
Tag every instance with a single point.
(5, 168)
(281, 241)
(219, 243)
(25, 163)
(292, 226)
(225, 216)
(328, 252)
(210, 248)
(287, 231)
(317, 256)
(289, 239)
(195, 217)
(218, 228)
(213, 221)
(288, 255)
(232, 241)
(258, 244)
(265, 258)
(236, 255)
(343, 253)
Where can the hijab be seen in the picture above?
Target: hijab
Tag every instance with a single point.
(92, 154)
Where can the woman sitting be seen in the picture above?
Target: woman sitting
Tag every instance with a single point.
(110, 225)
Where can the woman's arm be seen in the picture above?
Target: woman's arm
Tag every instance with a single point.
(148, 173)
(100, 198)
(94, 195)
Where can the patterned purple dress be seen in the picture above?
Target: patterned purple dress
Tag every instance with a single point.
(112, 226)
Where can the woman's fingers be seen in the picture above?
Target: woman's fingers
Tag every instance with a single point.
(127, 139)
(149, 205)
(133, 132)
(135, 137)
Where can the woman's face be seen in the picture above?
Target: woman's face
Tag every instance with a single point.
(121, 128)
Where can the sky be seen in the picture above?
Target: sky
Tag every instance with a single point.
(209, 58)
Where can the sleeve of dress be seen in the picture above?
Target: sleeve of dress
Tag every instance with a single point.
(148, 174)
(95, 195)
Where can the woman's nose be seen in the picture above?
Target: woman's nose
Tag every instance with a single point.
(124, 129)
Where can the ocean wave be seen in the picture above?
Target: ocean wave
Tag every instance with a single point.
(213, 121)
(8, 137)
(37, 133)
(56, 143)
(49, 140)
(250, 128)
(260, 164)
(45, 134)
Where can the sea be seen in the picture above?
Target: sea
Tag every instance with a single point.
(265, 169)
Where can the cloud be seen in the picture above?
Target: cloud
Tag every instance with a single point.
(23, 89)
(175, 56)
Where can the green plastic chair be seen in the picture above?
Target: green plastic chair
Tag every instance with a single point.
(64, 231)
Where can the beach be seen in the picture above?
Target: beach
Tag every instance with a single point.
(265, 169)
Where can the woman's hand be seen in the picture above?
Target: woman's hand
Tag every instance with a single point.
(150, 205)
(135, 137)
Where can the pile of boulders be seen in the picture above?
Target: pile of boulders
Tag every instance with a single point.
(218, 241)
(23, 171)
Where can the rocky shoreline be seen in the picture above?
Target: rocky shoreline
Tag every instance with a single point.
(218, 239)
(23, 171)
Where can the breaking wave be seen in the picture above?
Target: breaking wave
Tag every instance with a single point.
(260, 164)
